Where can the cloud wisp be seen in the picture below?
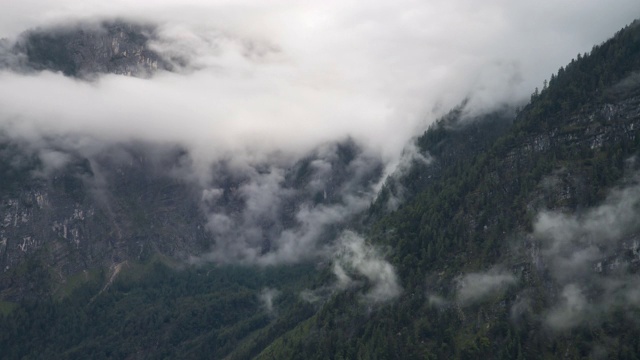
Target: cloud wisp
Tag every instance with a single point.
(594, 257)
(267, 297)
(354, 258)
(475, 287)
(272, 215)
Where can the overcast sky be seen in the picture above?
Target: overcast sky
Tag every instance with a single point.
(379, 71)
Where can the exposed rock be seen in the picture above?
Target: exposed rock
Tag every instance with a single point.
(73, 222)
(86, 50)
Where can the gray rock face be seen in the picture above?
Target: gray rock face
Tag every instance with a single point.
(86, 50)
(94, 214)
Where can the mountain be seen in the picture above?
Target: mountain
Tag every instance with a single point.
(511, 234)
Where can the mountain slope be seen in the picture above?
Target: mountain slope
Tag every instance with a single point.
(512, 237)
(521, 250)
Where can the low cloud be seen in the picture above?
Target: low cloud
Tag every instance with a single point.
(355, 259)
(437, 301)
(256, 79)
(593, 256)
(479, 286)
(572, 310)
(411, 159)
(628, 84)
(267, 297)
(273, 215)
(357, 266)
(52, 160)
(8, 57)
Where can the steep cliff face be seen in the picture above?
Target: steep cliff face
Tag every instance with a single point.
(95, 214)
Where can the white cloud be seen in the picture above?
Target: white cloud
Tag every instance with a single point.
(374, 70)
(354, 257)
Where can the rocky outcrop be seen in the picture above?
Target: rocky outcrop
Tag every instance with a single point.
(94, 214)
(86, 50)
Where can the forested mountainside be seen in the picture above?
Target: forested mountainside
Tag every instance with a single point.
(513, 236)
(522, 247)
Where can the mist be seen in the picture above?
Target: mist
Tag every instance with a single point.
(474, 287)
(354, 259)
(267, 297)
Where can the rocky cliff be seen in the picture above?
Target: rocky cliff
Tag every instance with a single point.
(95, 214)
(85, 50)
